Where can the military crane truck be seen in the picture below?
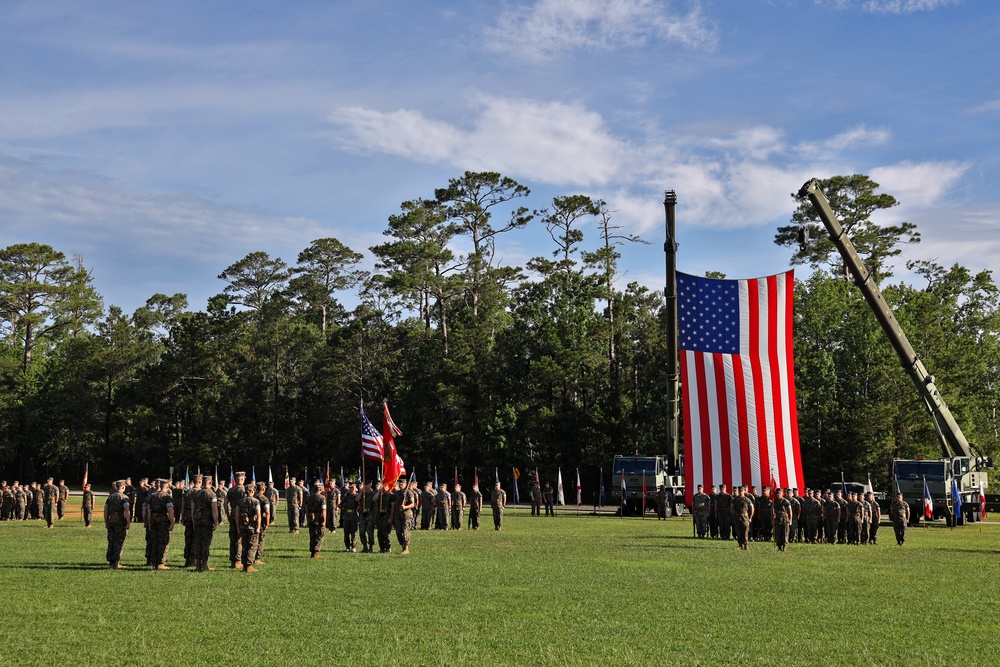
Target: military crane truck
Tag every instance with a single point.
(634, 469)
(960, 462)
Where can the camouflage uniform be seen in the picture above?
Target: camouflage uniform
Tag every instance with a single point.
(21, 504)
(814, 515)
(265, 522)
(535, 493)
(782, 521)
(796, 504)
(766, 510)
(117, 516)
(475, 507)
(876, 519)
(247, 510)
(61, 502)
(831, 512)
(220, 501)
(188, 525)
(332, 504)
(724, 509)
(844, 518)
(498, 500)
(383, 520)
(458, 500)
(866, 520)
(234, 496)
(293, 502)
(855, 515)
(402, 517)
(366, 519)
(87, 506)
(742, 511)
(159, 507)
(51, 494)
(349, 510)
(204, 507)
(713, 513)
(701, 506)
(37, 503)
(426, 508)
(899, 512)
(315, 506)
(442, 501)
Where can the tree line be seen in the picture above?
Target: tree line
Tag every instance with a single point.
(485, 365)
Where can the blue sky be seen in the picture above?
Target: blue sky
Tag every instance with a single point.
(164, 141)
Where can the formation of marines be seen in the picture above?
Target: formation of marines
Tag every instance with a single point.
(784, 516)
(33, 501)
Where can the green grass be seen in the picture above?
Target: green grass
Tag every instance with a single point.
(563, 591)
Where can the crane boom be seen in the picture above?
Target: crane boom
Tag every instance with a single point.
(950, 436)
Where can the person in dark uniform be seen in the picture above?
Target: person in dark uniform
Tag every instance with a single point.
(87, 505)
(316, 507)
(442, 503)
(204, 521)
(476, 506)
(899, 513)
(427, 506)
(349, 509)
(458, 501)
(293, 505)
(498, 501)
(404, 503)
(51, 500)
(548, 496)
(117, 519)
(366, 517)
(781, 512)
(234, 496)
(158, 517)
(61, 501)
(535, 493)
(383, 522)
(247, 516)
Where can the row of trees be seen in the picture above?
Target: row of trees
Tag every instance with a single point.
(485, 365)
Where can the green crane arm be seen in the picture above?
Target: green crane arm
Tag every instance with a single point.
(952, 440)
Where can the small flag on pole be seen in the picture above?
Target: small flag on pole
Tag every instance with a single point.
(579, 491)
(560, 498)
(288, 481)
(270, 477)
(253, 473)
(896, 481)
(326, 480)
(624, 493)
(602, 488)
(456, 475)
(436, 485)
(644, 495)
(232, 477)
(868, 487)
(86, 472)
(928, 502)
(187, 477)
(496, 474)
(982, 502)
(517, 497)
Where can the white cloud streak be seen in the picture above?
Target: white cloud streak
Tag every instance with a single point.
(549, 28)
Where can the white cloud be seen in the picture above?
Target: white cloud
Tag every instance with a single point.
(905, 6)
(919, 184)
(551, 142)
(548, 28)
(859, 135)
(986, 107)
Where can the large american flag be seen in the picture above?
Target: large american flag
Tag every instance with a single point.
(371, 440)
(737, 379)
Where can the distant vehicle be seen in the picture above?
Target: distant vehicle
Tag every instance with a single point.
(635, 468)
(961, 465)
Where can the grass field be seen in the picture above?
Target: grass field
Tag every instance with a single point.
(545, 591)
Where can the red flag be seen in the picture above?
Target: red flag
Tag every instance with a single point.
(326, 479)
(774, 488)
(982, 502)
(392, 464)
(86, 471)
(737, 376)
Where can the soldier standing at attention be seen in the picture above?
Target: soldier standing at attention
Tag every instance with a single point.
(831, 512)
(349, 510)
(443, 504)
(204, 521)
(766, 509)
(701, 505)
(186, 521)
(63, 497)
(383, 515)
(426, 507)
(536, 499)
(272, 500)
(38, 501)
(899, 513)
(458, 500)
(247, 516)
(303, 494)
(713, 513)
(51, 498)
(661, 503)
(366, 517)
(140, 497)
(158, 517)
(403, 510)
(293, 503)
(117, 519)
(234, 496)
(498, 501)
(724, 507)
(548, 496)
(742, 510)
(316, 518)
(781, 512)
(265, 522)
(21, 502)
(476, 506)
(793, 500)
(844, 517)
(332, 505)
(87, 505)
(855, 516)
(875, 519)
(220, 500)
(866, 518)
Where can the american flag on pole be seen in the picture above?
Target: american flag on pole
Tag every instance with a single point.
(371, 440)
(738, 381)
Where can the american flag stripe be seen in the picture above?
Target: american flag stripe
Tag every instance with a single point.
(371, 440)
(737, 375)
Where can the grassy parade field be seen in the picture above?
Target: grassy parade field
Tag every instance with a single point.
(545, 591)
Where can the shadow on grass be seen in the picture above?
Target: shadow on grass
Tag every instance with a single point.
(60, 566)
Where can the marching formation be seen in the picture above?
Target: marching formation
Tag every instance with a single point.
(783, 516)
